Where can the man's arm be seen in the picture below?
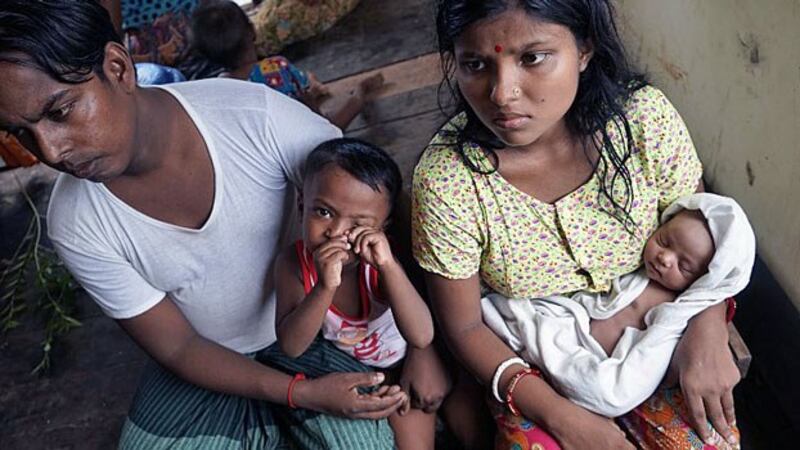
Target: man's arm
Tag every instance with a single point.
(165, 334)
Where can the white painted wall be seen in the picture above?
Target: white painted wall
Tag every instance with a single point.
(732, 68)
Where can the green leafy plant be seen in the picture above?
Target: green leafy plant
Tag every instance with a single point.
(34, 280)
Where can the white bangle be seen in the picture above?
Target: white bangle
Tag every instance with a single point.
(499, 373)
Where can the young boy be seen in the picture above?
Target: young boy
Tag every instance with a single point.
(221, 31)
(342, 280)
(608, 352)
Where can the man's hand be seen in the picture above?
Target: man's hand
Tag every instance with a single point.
(337, 394)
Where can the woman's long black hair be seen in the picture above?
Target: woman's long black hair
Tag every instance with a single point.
(603, 88)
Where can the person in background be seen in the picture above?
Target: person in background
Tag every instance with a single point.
(221, 32)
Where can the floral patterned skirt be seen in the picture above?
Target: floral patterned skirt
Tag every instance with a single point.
(655, 424)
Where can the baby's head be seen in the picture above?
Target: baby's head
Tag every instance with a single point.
(221, 31)
(347, 183)
(679, 251)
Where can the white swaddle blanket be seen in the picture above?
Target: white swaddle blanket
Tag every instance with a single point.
(553, 332)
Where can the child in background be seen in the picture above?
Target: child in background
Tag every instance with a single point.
(608, 352)
(221, 31)
(342, 279)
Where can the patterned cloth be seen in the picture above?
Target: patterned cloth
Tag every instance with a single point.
(149, 74)
(464, 222)
(163, 41)
(169, 413)
(279, 23)
(519, 433)
(140, 13)
(656, 424)
(279, 74)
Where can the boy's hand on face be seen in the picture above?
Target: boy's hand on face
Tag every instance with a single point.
(372, 246)
(329, 258)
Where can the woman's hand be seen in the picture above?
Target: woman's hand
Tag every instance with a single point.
(707, 374)
(337, 394)
(425, 379)
(577, 428)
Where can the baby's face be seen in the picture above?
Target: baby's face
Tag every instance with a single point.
(678, 253)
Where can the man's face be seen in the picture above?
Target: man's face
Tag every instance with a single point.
(85, 129)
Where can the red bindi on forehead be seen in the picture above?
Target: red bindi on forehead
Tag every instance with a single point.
(498, 48)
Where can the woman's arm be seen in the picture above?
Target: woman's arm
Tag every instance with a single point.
(456, 304)
(707, 373)
(165, 334)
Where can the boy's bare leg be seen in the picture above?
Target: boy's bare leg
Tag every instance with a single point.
(414, 430)
(465, 413)
(608, 332)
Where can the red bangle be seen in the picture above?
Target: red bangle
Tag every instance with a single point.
(513, 384)
(297, 377)
(731, 311)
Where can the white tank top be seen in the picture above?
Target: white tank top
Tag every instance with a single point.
(373, 337)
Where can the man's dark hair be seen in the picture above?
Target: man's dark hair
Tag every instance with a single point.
(221, 32)
(367, 163)
(64, 39)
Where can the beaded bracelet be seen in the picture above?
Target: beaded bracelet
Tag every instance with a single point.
(498, 373)
(297, 377)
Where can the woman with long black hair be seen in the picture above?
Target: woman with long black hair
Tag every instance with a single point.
(548, 180)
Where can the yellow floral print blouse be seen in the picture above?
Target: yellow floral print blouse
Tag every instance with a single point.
(466, 222)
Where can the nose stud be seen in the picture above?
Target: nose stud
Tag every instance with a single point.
(516, 92)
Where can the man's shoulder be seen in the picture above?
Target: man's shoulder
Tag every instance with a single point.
(223, 94)
(70, 204)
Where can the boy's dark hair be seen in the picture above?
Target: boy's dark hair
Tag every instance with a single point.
(64, 39)
(367, 163)
(221, 31)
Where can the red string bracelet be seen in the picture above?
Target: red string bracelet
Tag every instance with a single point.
(513, 384)
(731, 308)
(297, 377)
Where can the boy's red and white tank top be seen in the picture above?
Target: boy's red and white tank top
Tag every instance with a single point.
(373, 337)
